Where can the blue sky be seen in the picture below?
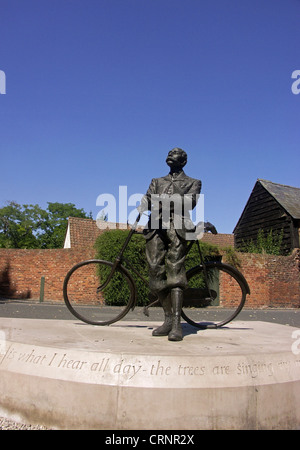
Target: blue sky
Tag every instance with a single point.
(98, 92)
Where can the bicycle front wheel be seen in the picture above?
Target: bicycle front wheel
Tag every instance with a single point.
(94, 296)
(200, 301)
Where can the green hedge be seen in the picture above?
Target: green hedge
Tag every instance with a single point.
(109, 244)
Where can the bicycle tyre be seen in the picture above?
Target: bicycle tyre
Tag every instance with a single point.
(86, 300)
(241, 286)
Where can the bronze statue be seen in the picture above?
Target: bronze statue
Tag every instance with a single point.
(166, 242)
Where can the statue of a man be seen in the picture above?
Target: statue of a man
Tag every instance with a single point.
(166, 242)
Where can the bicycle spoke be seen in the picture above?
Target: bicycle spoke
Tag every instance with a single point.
(226, 288)
(96, 297)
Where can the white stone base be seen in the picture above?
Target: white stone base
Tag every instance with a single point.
(70, 375)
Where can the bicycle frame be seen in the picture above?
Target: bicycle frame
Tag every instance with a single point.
(204, 268)
(119, 259)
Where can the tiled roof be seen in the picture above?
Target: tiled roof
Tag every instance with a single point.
(221, 239)
(84, 232)
(287, 196)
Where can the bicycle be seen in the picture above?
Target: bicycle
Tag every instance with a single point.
(88, 301)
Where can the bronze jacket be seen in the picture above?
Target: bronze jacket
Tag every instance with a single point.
(169, 199)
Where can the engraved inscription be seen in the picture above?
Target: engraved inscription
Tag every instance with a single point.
(131, 369)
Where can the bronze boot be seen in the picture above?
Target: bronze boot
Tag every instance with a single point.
(166, 327)
(176, 303)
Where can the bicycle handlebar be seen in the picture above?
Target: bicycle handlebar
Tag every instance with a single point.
(136, 221)
(207, 225)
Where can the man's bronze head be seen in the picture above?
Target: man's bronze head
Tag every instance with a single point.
(177, 158)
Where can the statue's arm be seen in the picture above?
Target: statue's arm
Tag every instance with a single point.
(145, 204)
(195, 191)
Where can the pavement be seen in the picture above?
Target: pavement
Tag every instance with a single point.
(65, 374)
(45, 345)
(50, 310)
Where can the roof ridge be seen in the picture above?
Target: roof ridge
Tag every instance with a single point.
(277, 184)
(81, 218)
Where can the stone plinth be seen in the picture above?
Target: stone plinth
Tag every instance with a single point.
(70, 375)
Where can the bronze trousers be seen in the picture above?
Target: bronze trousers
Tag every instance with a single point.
(165, 253)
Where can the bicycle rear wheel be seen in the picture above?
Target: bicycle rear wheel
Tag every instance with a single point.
(93, 298)
(199, 308)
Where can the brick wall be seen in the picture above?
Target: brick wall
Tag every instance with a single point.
(21, 271)
(82, 233)
(220, 239)
(274, 281)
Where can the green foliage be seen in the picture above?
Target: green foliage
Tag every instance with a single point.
(209, 253)
(55, 225)
(29, 226)
(109, 244)
(231, 257)
(270, 243)
(20, 225)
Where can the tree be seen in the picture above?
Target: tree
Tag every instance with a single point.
(56, 223)
(20, 225)
(29, 226)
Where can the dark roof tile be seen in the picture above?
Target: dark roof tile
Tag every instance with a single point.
(287, 196)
